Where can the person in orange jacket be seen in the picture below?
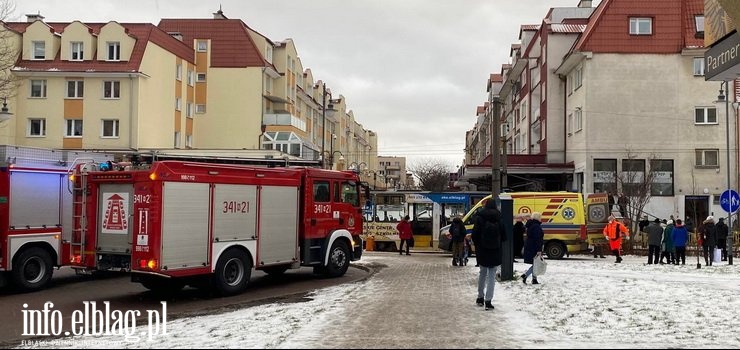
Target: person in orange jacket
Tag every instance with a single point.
(614, 231)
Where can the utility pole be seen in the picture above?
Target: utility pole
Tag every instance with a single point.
(323, 124)
(495, 151)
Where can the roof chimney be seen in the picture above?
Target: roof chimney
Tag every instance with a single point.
(34, 18)
(219, 14)
(584, 3)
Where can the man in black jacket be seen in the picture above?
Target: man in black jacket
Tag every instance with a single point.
(488, 234)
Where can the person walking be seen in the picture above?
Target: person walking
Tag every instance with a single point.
(518, 236)
(669, 250)
(722, 232)
(680, 237)
(614, 231)
(457, 235)
(708, 232)
(655, 234)
(622, 201)
(533, 245)
(488, 234)
(405, 234)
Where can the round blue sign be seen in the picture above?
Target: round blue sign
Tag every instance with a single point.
(730, 201)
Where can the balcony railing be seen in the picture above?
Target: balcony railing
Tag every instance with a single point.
(284, 119)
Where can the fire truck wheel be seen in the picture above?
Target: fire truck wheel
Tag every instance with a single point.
(338, 259)
(232, 272)
(32, 269)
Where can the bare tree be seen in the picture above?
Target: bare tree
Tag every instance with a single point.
(433, 175)
(9, 50)
(636, 182)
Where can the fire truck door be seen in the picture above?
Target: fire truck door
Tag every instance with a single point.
(114, 213)
(278, 225)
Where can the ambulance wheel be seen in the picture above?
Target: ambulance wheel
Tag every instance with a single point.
(232, 272)
(338, 259)
(555, 250)
(32, 269)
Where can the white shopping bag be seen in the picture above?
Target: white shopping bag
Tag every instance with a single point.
(540, 266)
(717, 255)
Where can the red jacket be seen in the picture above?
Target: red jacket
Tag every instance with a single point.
(404, 230)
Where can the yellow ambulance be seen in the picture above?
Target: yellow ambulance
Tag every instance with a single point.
(569, 221)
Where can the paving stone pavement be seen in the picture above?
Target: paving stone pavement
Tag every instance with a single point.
(416, 301)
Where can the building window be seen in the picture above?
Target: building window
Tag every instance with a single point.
(114, 51)
(75, 88)
(605, 171)
(178, 104)
(201, 77)
(641, 26)
(191, 77)
(189, 141)
(177, 139)
(268, 53)
(662, 184)
(578, 78)
(633, 176)
(76, 53)
(74, 128)
(570, 124)
(699, 21)
(200, 109)
(39, 50)
(706, 115)
(38, 88)
(202, 46)
(577, 119)
(189, 110)
(36, 127)
(178, 72)
(112, 89)
(109, 128)
(698, 66)
(707, 158)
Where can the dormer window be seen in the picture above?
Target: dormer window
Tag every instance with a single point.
(699, 21)
(641, 26)
(114, 50)
(202, 46)
(39, 50)
(76, 51)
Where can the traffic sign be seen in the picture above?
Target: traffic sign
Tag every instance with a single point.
(730, 201)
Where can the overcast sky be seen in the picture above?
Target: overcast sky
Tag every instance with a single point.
(413, 71)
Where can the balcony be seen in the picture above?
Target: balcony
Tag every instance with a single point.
(284, 119)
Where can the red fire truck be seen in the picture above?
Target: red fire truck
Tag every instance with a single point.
(36, 212)
(187, 223)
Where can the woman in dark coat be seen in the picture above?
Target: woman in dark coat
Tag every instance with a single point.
(488, 233)
(533, 245)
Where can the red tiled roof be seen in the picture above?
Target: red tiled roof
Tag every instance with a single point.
(497, 78)
(142, 32)
(480, 110)
(567, 28)
(231, 45)
(673, 26)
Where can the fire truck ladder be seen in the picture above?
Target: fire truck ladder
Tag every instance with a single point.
(79, 198)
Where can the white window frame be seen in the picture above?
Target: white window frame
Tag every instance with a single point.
(178, 141)
(705, 112)
(191, 77)
(702, 153)
(698, 66)
(76, 48)
(189, 110)
(42, 91)
(178, 72)
(200, 77)
(200, 108)
(202, 45)
(116, 124)
(78, 91)
(42, 127)
(578, 78)
(268, 52)
(116, 54)
(71, 125)
(189, 141)
(570, 124)
(577, 119)
(178, 103)
(699, 23)
(36, 48)
(636, 24)
(114, 94)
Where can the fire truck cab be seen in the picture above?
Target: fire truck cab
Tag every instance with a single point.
(212, 224)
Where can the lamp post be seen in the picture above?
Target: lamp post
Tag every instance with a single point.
(325, 111)
(357, 167)
(725, 98)
(4, 113)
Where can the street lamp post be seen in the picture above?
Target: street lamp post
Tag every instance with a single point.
(725, 98)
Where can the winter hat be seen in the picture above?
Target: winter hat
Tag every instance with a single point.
(670, 222)
(710, 218)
